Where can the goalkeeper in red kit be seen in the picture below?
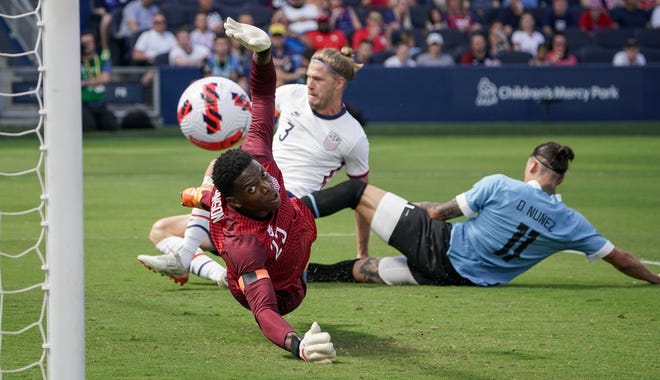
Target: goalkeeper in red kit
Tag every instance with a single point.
(265, 235)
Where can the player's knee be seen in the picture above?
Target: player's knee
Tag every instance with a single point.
(159, 231)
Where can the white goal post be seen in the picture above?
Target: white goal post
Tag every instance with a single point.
(63, 197)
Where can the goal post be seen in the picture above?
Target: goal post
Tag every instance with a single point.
(63, 196)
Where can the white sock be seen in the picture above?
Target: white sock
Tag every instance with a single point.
(169, 245)
(196, 231)
(205, 267)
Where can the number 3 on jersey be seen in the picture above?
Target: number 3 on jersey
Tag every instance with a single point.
(524, 236)
(286, 131)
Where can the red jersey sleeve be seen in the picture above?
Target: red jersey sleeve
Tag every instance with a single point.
(246, 254)
(259, 139)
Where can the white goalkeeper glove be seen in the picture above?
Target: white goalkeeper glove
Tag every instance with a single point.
(316, 346)
(250, 36)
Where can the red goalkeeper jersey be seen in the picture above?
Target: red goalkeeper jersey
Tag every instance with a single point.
(277, 249)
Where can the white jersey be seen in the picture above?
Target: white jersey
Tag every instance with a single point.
(310, 148)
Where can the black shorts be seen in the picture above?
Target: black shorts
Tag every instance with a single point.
(425, 242)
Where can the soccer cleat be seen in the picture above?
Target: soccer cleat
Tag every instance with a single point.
(166, 265)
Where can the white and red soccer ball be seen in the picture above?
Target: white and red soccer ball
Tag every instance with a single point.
(214, 113)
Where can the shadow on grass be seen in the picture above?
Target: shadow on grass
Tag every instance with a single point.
(570, 286)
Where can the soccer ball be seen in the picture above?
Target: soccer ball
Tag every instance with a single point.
(214, 113)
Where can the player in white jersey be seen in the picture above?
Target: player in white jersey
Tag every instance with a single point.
(512, 226)
(316, 136)
(311, 147)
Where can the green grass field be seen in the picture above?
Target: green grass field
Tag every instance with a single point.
(564, 319)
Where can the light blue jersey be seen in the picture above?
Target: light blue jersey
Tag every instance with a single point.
(514, 225)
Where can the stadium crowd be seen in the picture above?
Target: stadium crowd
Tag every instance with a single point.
(393, 33)
(387, 33)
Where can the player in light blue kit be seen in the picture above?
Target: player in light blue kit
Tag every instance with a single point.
(512, 226)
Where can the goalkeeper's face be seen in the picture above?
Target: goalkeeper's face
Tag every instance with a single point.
(256, 193)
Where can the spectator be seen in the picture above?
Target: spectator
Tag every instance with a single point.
(541, 56)
(559, 54)
(435, 20)
(458, 17)
(137, 16)
(288, 63)
(594, 18)
(325, 35)
(373, 31)
(185, 53)
(104, 10)
(213, 15)
(401, 12)
(485, 9)
(401, 57)
(630, 55)
(527, 39)
(434, 55)
(655, 15)
(239, 51)
(497, 40)
(202, 35)
(630, 16)
(94, 76)
(222, 63)
(647, 5)
(510, 16)
(527, 4)
(558, 18)
(478, 54)
(155, 41)
(343, 17)
(364, 52)
(376, 3)
(408, 37)
(301, 16)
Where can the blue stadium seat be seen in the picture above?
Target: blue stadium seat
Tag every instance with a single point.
(651, 55)
(648, 38)
(612, 38)
(261, 14)
(418, 16)
(381, 56)
(178, 15)
(514, 57)
(454, 41)
(577, 38)
(595, 54)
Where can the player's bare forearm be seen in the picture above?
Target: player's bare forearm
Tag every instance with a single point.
(628, 264)
(441, 211)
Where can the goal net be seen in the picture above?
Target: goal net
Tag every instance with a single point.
(41, 243)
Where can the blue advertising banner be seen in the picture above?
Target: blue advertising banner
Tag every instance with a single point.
(508, 93)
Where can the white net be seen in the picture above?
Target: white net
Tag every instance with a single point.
(23, 301)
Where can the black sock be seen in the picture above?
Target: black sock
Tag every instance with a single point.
(338, 272)
(328, 201)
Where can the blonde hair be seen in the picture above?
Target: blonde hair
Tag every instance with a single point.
(341, 62)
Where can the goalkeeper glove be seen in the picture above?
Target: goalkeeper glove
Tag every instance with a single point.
(250, 36)
(314, 347)
(192, 196)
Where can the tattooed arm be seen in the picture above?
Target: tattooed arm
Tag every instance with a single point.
(442, 211)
